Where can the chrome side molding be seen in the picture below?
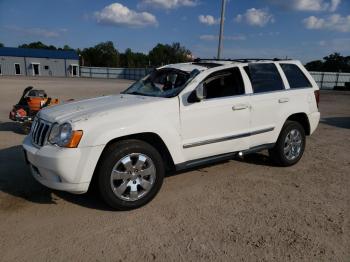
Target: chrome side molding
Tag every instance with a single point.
(222, 139)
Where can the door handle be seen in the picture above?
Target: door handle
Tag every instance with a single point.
(240, 107)
(283, 100)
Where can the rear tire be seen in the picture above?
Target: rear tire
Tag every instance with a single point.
(290, 145)
(130, 174)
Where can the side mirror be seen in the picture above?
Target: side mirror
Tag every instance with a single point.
(201, 91)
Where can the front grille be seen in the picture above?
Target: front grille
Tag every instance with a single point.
(40, 131)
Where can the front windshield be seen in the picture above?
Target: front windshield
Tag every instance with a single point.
(166, 82)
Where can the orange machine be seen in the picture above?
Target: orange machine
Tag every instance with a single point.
(31, 102)
(36, 103)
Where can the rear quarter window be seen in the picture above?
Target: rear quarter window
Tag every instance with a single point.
(264, 77)
(295, 76)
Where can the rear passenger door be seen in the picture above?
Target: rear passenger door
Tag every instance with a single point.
(268, 102)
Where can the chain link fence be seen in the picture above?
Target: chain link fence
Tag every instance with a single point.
(114, 73)
(325, 80)
(328, 80)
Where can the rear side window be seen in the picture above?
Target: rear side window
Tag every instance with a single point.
(264, 78)
(224, 83)
(295, 76)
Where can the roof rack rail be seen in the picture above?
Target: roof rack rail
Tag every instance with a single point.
(241, 60)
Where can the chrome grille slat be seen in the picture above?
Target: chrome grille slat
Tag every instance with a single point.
(40, 132)
(43, 137)
(35, 131)
(36, 140)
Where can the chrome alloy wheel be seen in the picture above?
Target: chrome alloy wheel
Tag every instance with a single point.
(133, 176)
(293, 144)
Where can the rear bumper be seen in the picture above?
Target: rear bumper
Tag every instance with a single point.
(66, 169)
(314, 119)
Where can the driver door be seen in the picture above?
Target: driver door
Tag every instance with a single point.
(220, 123)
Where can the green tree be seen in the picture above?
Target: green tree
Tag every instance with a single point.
(131, 59)
(316, 65)
(103, 54)
(141, 60)
(106, 55)
(167, 54)
(67, 47)
(336, 63)
(332, 63)
(38, 45)
(1, 45)
(160, 55)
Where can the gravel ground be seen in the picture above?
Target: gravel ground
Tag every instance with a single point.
(239, 210)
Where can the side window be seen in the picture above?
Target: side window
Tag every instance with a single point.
(295, 76)
(224, 83)
(264, 77)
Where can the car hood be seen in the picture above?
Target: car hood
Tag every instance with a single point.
(94, 107)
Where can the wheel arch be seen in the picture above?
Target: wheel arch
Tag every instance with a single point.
(302, 119)
(152, 138)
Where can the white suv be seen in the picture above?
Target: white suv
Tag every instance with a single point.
(178, 117)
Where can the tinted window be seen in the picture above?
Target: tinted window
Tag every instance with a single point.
(264, 77)
(295, 76)
(224, 83)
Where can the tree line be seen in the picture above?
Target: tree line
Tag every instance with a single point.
(105, 54)
(332, 63)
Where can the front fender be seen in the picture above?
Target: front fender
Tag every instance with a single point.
(163, 122)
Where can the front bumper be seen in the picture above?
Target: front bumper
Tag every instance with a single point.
(66, 169)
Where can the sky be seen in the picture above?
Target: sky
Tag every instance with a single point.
(300, 29)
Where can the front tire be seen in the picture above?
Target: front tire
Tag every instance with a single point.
(290, 145)
(130, 174)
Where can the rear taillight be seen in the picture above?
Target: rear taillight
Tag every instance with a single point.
(317, 97)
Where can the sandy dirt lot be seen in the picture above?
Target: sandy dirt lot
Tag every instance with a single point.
(240, 210)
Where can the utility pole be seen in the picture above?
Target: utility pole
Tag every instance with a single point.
(222, 22)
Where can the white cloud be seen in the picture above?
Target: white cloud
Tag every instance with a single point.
(216, 37)
(309, 5)
(256, 17)
(36, 31)
(119, 15)
(334, 22)
(208, 20)
(167, 4)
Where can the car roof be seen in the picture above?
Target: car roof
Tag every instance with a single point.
(206, 64)
(187, 67)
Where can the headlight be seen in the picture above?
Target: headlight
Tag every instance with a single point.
(64, 136)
